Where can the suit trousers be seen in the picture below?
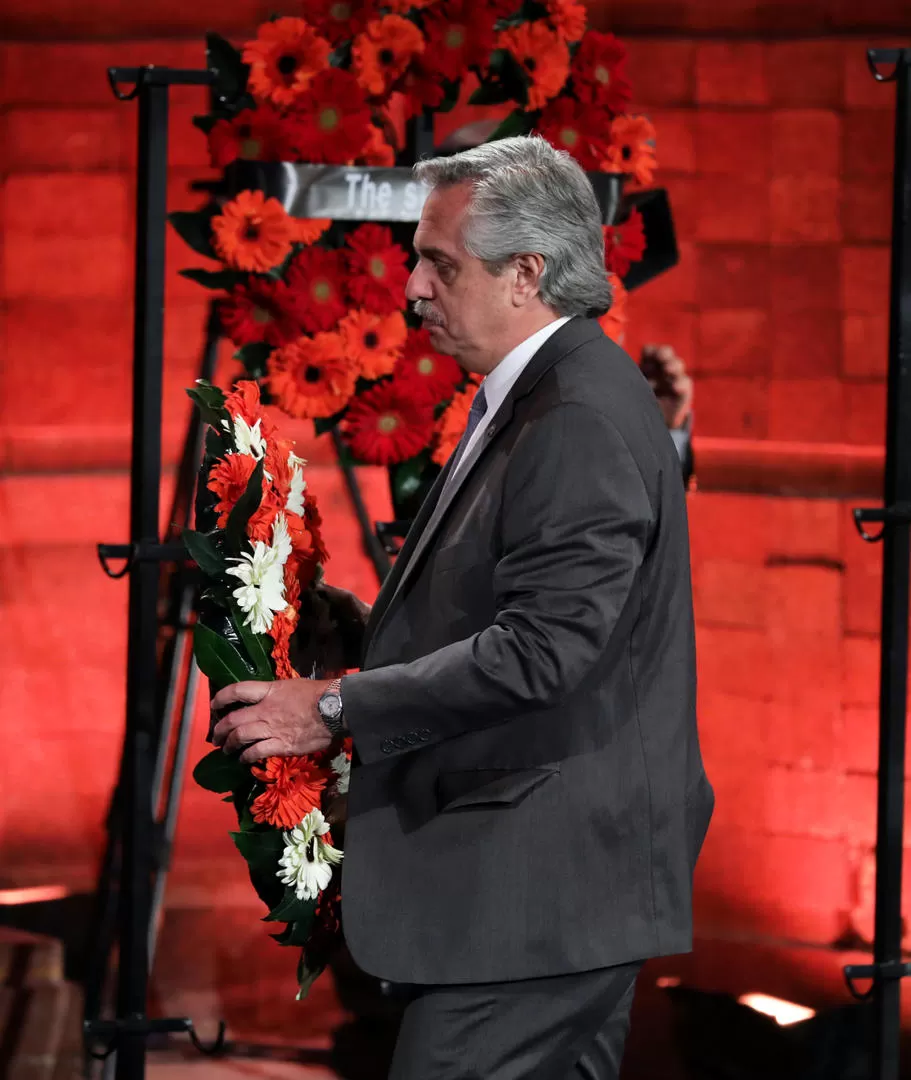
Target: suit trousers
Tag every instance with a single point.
(566, 1027)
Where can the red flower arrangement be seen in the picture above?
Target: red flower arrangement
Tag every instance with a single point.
(321, 319)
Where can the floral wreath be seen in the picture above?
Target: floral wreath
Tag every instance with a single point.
(319, 315)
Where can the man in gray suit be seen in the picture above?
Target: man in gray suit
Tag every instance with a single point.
(528, 800)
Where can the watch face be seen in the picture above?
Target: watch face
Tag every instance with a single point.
(330, 706)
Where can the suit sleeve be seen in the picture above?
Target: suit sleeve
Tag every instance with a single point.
(576, 521)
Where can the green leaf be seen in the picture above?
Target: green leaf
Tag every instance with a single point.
(297, 932)
(205, 123)
(194, 227)
(490, 93)
(216, 445)
(307, 976)
(230, 71)
(221, 772)
(245, 507)
(254, 357)
(408, 477)
(204, 553)
(210, 410)
(451, 89)
(257, 646)
(218, 659)
(262, 850)
(290, 909)
(215, 279)
(517, 123)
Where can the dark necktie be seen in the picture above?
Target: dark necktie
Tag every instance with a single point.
(475, 415)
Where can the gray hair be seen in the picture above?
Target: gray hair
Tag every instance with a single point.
(529, 197)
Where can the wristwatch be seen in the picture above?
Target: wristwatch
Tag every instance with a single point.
(330, 708)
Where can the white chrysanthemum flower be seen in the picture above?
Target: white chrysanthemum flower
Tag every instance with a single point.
(307, 861)
(281, 538)
(249, 440)
(262, 589)
(295, 501)
(341, 766)
(262, 575)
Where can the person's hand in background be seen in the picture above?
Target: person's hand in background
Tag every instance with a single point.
(666, 374)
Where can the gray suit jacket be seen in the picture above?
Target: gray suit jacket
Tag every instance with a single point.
(528, 797)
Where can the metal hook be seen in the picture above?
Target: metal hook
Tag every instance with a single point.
(214, 1048)
(871, 538)
(141, 79)
(104, 553)
(871, 64)
(858, 995)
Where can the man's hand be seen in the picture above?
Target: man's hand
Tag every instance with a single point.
(280, 719)
(332, 625)
(666, 374)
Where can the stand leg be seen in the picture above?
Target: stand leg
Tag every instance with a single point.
(142, 660)
(895, 586)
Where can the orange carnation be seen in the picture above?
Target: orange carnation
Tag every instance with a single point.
(382, 53)
(294, 786)
(285, 56)
(543, 56)
(451, 425)
(373, 342)
(252, 232)
(312, 377)
(613, 323)
(632, 148)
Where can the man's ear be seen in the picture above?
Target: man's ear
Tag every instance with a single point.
(528, 268)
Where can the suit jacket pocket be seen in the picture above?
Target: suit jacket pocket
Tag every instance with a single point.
(488, 787)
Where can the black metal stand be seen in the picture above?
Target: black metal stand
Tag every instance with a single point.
(888, 968)
(134, 835)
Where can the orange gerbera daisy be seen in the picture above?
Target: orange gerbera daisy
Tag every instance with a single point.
(614, 322)
(285, 56)
(373, 342)
(543, 56)
(568, 18)
(308, 230)
(632, 148)
(252, 232)
(382, 53)
(294, 785)
(311, 377)
(228, 479)
(451, 425)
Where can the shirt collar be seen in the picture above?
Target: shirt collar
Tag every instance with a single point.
(501, 380)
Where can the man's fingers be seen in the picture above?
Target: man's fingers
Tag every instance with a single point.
(241, 693)
(245, 734)
(237, 718)
(261, 750)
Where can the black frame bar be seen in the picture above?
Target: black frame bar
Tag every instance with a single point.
(888, 968)
(132, 821)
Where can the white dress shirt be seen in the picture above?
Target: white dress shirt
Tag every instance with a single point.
(503, 377)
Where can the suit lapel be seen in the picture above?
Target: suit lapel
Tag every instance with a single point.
(434, 508)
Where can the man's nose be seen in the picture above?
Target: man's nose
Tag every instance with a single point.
(418, 287)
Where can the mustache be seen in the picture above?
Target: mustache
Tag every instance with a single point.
(425, 310)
